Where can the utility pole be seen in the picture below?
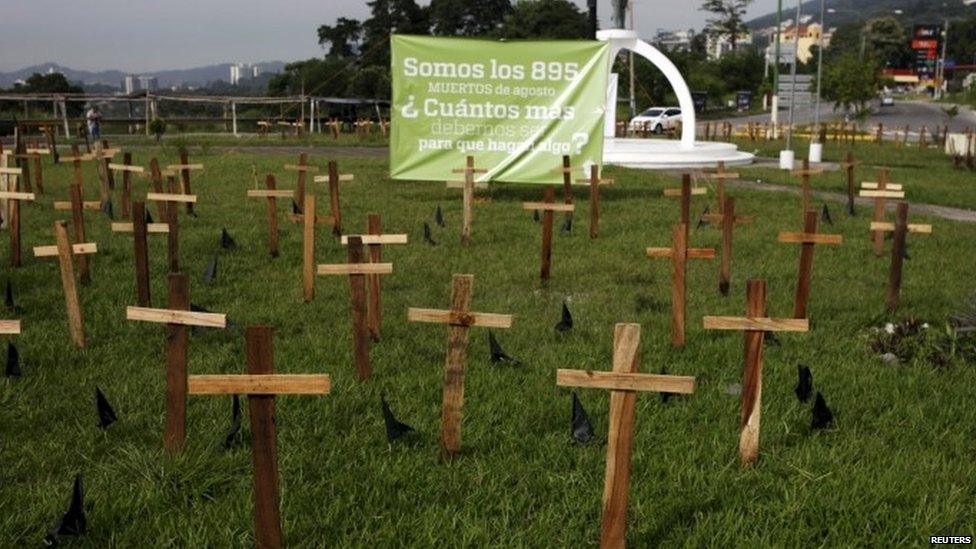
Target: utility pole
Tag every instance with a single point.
(796, 59)
(816, 148)
(630, 64)
(774, 113)
(940, 68)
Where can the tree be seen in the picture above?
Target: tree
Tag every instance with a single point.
(467, 17)
(341, 37)
(558, 19)
(851, 83)
(729, 19)
(887, 41)
(318, 76)
(388, 17)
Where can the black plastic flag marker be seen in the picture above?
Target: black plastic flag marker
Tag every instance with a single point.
(535, 216)
(210, 273)
(226, 241)
(295, 209)
(770, 337)
(702, 220)
(804, 383)
(665, 397)
(567, 227)
(439, 217)
(497, 353)
(427, 237)
(107, 209)
(394, 427)
(106, 415)
(822, 416)
(566, 323)
(233, 436)
(582, 428)
(149, 218)
(8, 295)
(12, 368)
(825, 214)
(73, 522)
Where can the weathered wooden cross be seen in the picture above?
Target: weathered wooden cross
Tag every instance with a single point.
(357, 269)
(594, 182)
(302, 168)
(140, 229)
(849, 164)
(684, 193)
(171, 199)
(728, 221)
(901, 227)
(805, 191)
(880, 190)
(77, 207)
(64, 250)
(184, 168)
(13, 199)
(547, 206)
(261, 385)
(624, 383)
(374, 241)
(127, 170)
(754, 325)
(720, 176)
(271, 194)
(679, 253)
(807, 240)
(309, 220)
(459, 319)
(467, 197)
(567, 172)
(178, 318)
(333, 178)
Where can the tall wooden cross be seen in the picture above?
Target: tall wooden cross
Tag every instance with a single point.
(684, 193)
(184, 168)
(594, 182)
(271, 193)
(849, 164)
(178, 318)
(624, 383)
(804, 174)
(261, 385)
(64, 250)
(459, 318)
(467, 198)
(140, 230)
(547, 206)
(127, 170)
(880, 190)
(77, 207)
(357, 269)
(333, 178)
(754, 325)
(807, 240)
(679, 253)
(727, 220)
(302, 168)
(13, 199)
(901, 227)
(172, 199)
(309, 219)
(374, 240)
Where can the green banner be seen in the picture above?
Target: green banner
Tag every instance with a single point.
(517, 107)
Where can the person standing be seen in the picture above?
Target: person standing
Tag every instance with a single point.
(94, 118)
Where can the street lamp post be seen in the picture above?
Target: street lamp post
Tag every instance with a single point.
(816, 147)
(787, 156)
(774, 112)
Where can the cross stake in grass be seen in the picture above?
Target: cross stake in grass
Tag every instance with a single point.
(271, 194)
(547, 206)
(467, 198)
(807, 240)
(459, 319)
(727, 220)
(624, 383)
(64, 250)
(171, 215)
(720, 176)
(684, 193)
(567, 172)
(140, 229)
(184, 167)
(679, 253)
(333, 179)
(261, 385)
(156, 180)
(804, 175)
(177, 318)
(849, 164)
(901, 227)
(880, 190)
(374, 242)
(78, 224)
(594, 182)
(357, 269)
(13, 199)
(754, 324)
(127, 170)
(302, 168)
(309, 220)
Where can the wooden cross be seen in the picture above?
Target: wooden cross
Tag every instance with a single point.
(30, 161)
(624, 383)
(13, 199)
(720, 175)
(334, 126)
(261, 385)
(685, 192)
(333, 179)
(467, 197)
(302, 168)
(357, 269)
(140, 229)
(22, 160)
(374, 241)
(184, 167)
(880, 191)
(171, 215)
(679, 253)
(127, 170)
(309, 220)
(106, 154)
(547, 206)
(849, 164)
(804, 175)
(156, 180)
(271, 194)
(754, 325)
(567, 172)
(178, 318)
(77, 206)
(728, 221)
(807, 240)
(459, 319)
(901, 227)
(101, 168)
(594, 182)
(64, 250)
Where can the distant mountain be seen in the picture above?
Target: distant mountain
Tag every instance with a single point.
(197, 76)
(849, 11)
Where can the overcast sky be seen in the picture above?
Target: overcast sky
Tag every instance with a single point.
(145, 36)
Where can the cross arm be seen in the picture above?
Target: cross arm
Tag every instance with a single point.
(9, 327)
(756, 324)
(548, 206)
(63, 205)
(456, 318)
(11, 195)
(126, 168)
(888, 226)
(124, 227)
(11, 171)
(873, 186)
(460, 184)
(620, 381)
(260, 384)
(882, 194)
(355, 269)
(76, 249)
(184, 167)
(589, 181)
(693, 253)
(788, 237)
(343, 178)
(270, 193)
(377, 239)
(169, 197)
(676, 193)
(174, 316)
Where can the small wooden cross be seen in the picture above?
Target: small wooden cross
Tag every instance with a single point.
(720, 176)
(64, 250)
(171, 199)
(880, 191)
(78, 207)
(901, 227)
(567, 172)
(594, 181)
(467, 197)
(679, 253)
(140, 229)
(261, 385)
(459, 319)
(127, 170)
(156, 180)
(685, 192)
(184, 167)
(807, 240)
(271, 194)
(624, 383)
(101, 168)
(357, 269)
(302, 168)
(849, 164)
(309, 220)
(333, 178)
(13, 199)
(374, 241)
(547, 206)
(177, 318)
(804, 175)
(728, 221)
(754, 325)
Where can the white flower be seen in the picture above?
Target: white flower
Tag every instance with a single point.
(889, 328)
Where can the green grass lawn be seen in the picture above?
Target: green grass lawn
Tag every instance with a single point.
(897, 467)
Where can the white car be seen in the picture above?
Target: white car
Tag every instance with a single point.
(657, 119)
(887, 101)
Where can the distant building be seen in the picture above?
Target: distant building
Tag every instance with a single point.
(239, 71)
(148, 83)
(674, 40)
(130, 84)
(718, 45)
(809, 38)
(235, 74)
(255, 71)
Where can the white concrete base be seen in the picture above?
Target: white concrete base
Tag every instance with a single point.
(665, 154)
(816, 153)
(787, 159)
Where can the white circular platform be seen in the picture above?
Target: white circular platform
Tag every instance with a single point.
(663, 154)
